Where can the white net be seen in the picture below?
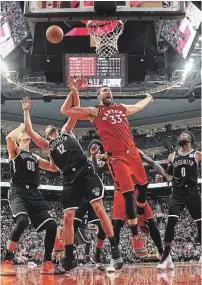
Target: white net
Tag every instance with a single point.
(105, 35)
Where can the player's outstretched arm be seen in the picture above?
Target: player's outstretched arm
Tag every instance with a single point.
(71, 101)
(132, 109)
(77, 112)
(156, 166)
(36, 138)
(11, 139)
(46, 165)
(80, 113)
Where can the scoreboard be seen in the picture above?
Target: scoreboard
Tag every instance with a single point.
(99, 71)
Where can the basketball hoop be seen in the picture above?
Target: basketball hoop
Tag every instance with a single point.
(106, 35)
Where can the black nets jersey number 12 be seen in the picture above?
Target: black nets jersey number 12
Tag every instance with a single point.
(61, 148)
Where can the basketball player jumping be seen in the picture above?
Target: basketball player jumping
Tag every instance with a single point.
(119, 213)
(183, 165)
(111, 123)
(79, 179)
(26, 201)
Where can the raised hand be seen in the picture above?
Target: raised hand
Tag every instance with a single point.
(149, 96)
(26, 103)
(101, 156)
(78, 83)
(94, 149)
(82, 82)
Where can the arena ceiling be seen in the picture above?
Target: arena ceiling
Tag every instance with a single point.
(38, 57)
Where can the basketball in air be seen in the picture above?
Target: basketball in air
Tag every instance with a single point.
(54, 34)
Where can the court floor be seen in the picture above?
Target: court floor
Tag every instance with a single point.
(183, 274)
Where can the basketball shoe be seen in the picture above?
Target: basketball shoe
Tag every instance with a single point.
(166, 264)
(7, 268)
(138, 246)
(49, 268)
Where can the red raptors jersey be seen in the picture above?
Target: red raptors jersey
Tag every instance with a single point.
(113, 128)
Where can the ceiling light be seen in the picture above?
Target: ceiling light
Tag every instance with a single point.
(142, 59)
(191, 59)
(200, 38)
(197, 44)
(189, 66)
(3, 66)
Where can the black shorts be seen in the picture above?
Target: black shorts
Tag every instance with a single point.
(84, 208)
(29, 201)
(185, 196)
(84, 183)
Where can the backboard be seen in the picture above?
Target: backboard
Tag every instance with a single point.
(45, 11)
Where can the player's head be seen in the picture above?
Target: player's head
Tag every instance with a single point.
(95, 144)
(51, 132)
(24, 139)
(104, 94)
(186, 138)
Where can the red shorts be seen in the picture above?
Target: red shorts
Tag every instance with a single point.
(58, 245)
(127, 170)
(119, 212)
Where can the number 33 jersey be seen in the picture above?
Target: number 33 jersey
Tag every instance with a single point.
(24, 169)
(113, 128)
(185, 169)
(67, 153)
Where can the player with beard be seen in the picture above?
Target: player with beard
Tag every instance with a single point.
(183, 165)
(27, 202)
(79, 179)
(119, 213)
(126, 166)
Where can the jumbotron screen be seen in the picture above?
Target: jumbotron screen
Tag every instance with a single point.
(98, 70)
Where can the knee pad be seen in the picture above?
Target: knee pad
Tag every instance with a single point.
(101, 234)
(118, 223)
(50, 225)
(151, 222)
(129, 205)
(22, 223)
(170, 229)
(172, 221)
(142, 191)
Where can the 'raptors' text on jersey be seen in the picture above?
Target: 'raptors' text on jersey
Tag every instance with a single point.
(185, 169)
(67, 153)
(113, 128)
(24, 169)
